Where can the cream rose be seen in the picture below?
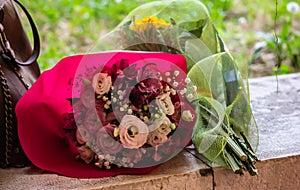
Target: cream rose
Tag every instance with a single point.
(156, 138)
(101, 83)
(162, 125)
(164, 102)
(133, 132)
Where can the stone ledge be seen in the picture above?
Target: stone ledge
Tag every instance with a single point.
(182, 172)
(277, 116)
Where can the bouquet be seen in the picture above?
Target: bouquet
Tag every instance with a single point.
(130, 114)
(225, 131)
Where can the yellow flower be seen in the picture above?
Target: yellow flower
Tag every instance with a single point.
(148, 22)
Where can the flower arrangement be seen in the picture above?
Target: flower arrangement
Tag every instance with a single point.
(131, 115)
(225, 132)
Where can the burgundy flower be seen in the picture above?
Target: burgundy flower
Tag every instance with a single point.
(145, 91)
(69, 121)
(177, 113)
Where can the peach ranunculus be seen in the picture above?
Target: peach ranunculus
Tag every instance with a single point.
(162, 125)
(164, 102)
(101, 83)
(86, 154)
(133, 132)
(156, 138)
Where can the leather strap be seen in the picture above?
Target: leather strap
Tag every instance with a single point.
(8, 120)
(7, 52)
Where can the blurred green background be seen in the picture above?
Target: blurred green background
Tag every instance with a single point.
(70, 27)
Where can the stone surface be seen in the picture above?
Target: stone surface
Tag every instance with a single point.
(274, 174)
(277, 115)
(278, 118)
(182, 172)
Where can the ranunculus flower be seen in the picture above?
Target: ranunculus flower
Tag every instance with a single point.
(86, 154)
(106, 143)
(101, 83)
(133, 132)
(162, 125)
(156, 138)
(164, 102)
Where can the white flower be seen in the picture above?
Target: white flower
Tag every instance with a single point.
(187, 115)
(293, 7)
(187, 80)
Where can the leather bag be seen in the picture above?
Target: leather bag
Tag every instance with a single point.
(18, 71)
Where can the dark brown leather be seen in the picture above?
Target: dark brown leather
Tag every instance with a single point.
(17, 74)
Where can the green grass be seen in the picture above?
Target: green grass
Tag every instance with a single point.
(70, 27)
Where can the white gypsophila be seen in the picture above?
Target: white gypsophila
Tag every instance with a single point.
(293, 7)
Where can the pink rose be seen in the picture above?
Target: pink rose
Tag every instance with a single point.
(101, 83)
(91, 122)
(133, 132)
(106, 143)
(164, 102)
(156, 138)
(162, 125)
(86, 154)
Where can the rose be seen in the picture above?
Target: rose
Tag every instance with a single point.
(86, 154)
(156, 138)
(91, 122)
(164, 102)
(105, 142)
(101, 83)
(162, 125)
(87, 97)
(133, 132)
